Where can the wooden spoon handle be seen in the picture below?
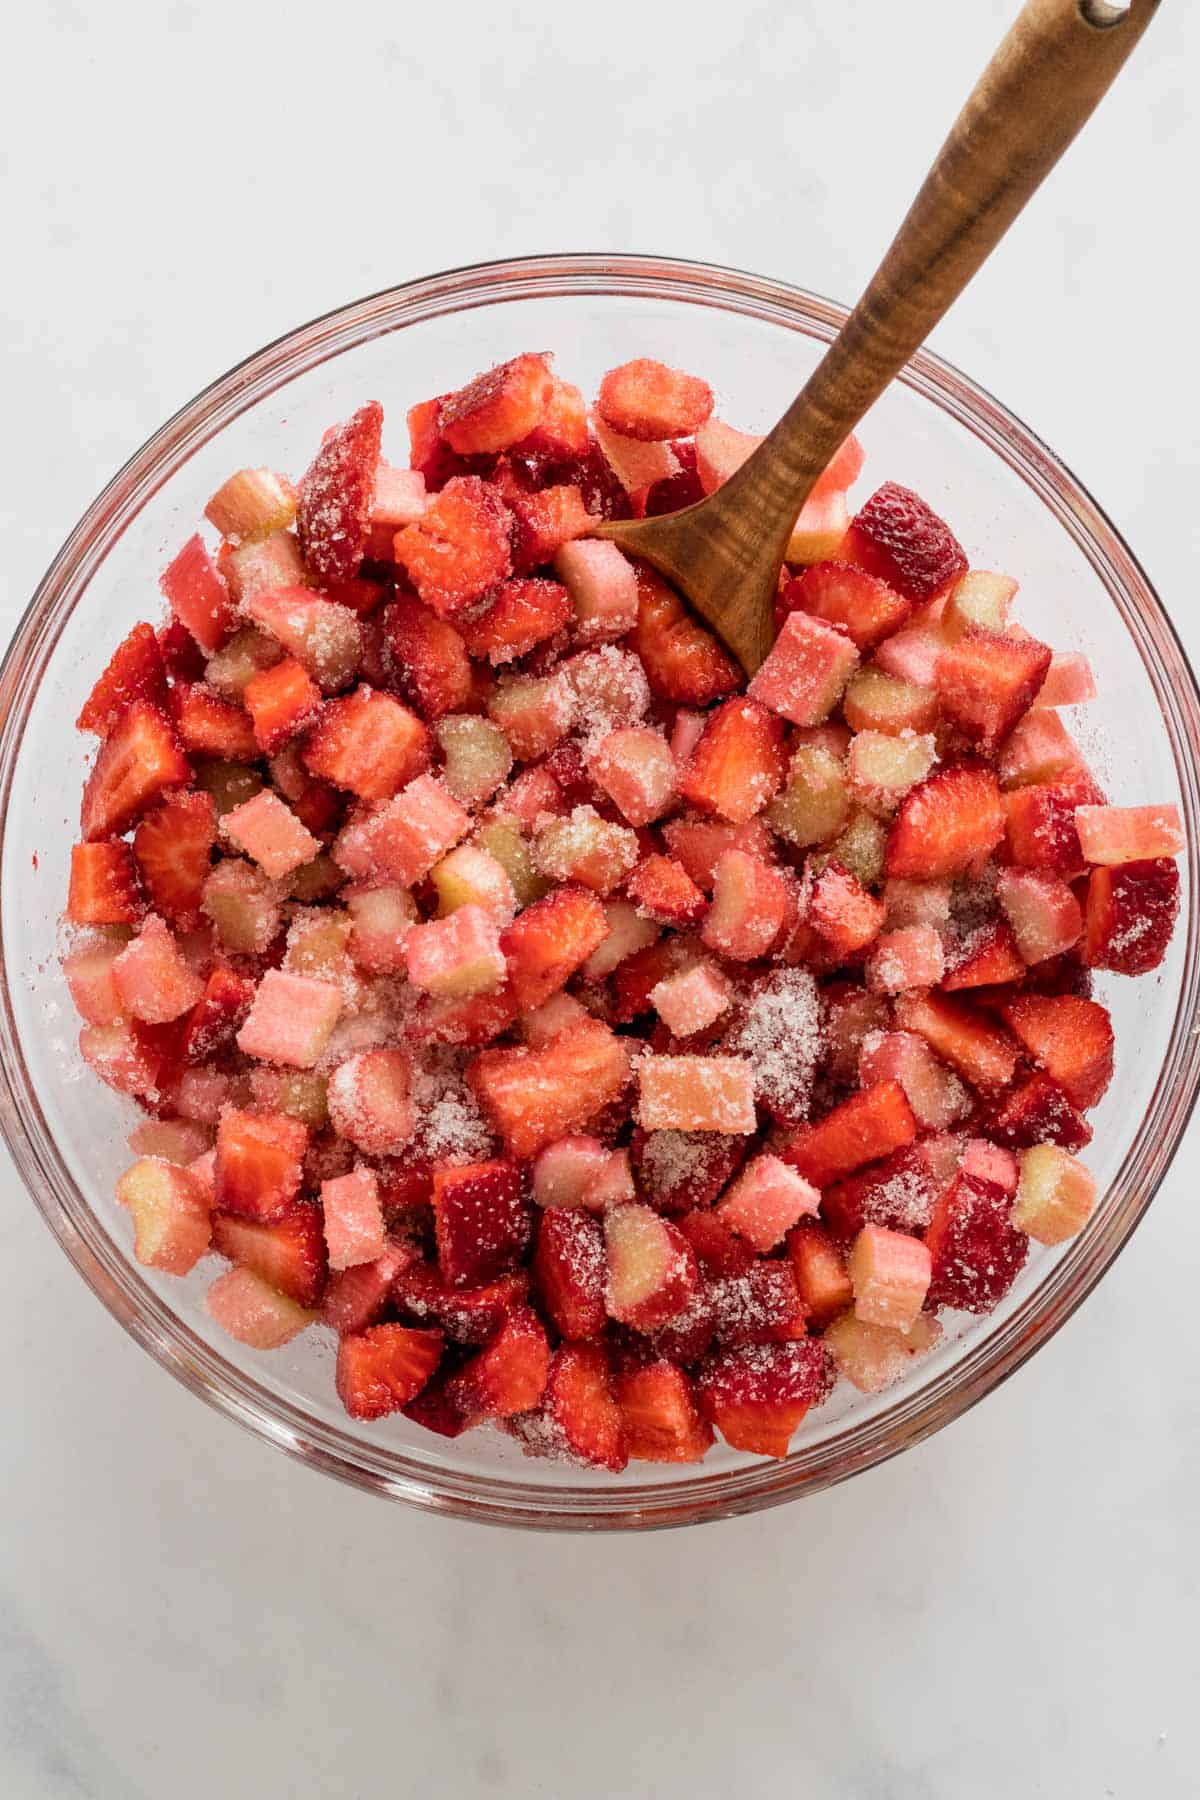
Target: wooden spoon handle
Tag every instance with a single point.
(1039, 89)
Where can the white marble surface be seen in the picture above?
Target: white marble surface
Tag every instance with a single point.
(1008, 1610)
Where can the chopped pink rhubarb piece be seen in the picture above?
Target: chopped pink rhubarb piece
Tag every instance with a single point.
(766, 1200)
(459, 955)
(1124, 834)
(749, 907)
(291, 1019)
(152, 978)
(399, 840)
(565, 1173)
(637, 771)
(1044, 914)
(170, 1208)
(254, 1314)
(911, 957)
(806, 670)
(370, 1101)
(696, 1093)
(873, 1357)
(270, 833)
(603, 588)
(890, 1272)
(935, 1093)
(692, 999)
(353, 1219)
(1055, 1196)
(1069, 682)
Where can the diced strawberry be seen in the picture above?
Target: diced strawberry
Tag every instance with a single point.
(544, 523)
(637, 462)
(578, 1418)
(842, 910)
(477, 1020)
(1037, 1111)
(460, 548)
(757, 1396)
(136, 762)
(684, 663)
(718, 1252)
(458, 956)
(252, 1312)
(1070, 1037)
(862, 606)
(562, 430)
(673, 492)
(370, 1101)
(547, 942)
(652, 1272)
(291, 1019)
(897, 537)
(469, 1315)
(498, 408)
(509, 1375)
(325, 638)
(907, 958)
(523, 613)
(170, 1214)
(104, 886)
(659, 1414)
(153, 980)
(218, 1013)
(738, 763)
(336, 496)
(427, 657)
(484, 1221)
(749, 907)
(699, 844)
(369, 743)
(288, 1254)
(862, 1129)
(984, 958)
(183, 659)
(944, 825)
(173, 846)
(545, 1022)
(661, 888)
(603, 587)
(209, 726)
(400, 840)
(1040, 822)
(381, 918)
(975, 1250)
(358, 1297)
(569, 1272)
(934, 1092)
(820, 531)
(806, 670)
(646, 400)
(1056, 1195)
(383, 1368)
(129, 1057)
(968, 1040)
(1112, 835)
(259, 1163)
(819, 1268)
(533, 1097)
(281, 701)
(720, 452)
(197, 595)
(1069, 682)
(897, 1193)
(987, 680)
(135, 671)
(1131, 913)
(252, 504)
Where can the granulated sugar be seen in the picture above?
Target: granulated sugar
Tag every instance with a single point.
(780, 1035)
(450, 1125)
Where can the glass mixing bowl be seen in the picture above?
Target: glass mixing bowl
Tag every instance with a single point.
(1015, 507)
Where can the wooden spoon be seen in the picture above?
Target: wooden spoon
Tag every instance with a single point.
(724, 554)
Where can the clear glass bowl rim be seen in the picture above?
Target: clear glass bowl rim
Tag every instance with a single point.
(481, 1495)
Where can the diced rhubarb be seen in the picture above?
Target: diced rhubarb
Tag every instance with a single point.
(910, 957)
(566, 1173)
(684, 663)
(291, 1019)
(460, 547)
(652, 1272)
(749, 907)
(398, 841)
(587, 849)
(1069, 682)
(458, 956)
(603, 588)
(243, 905)
(534, 715)
(1043, 912)
(874, 1357)
(477, 757)
(470, 876)
(251, 504)
(358, 1297)
(806, 670)
(1071, 1038)
(820, 530)
(1038, 749)
(322, 636)
(841, 909)
(259, 1163)
(692, 999)
(820, 1272)
(88, 970)
(636, 769)
(533, 1097)
(270, 833)
(757, 1396)
(383, 1368)
(569, 1271)
(382, 918)
(154, 981)
(170, 1209)
(937, 1097)
(1056, 1194)
(370, 1101)
(1112, 835)
(766, 1200)
(266, 563)
(897, 537)
(890, 1273)
(976, 1251)
(1131, 913)
(289, 1255)
(137, 760)
(973, 1044)
(696, 1093)
(483, 1219)
(252, 1312)
(353, 1219)
(135, 671)
(197, 595)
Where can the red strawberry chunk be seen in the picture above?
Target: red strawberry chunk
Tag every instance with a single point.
(968, 1040)
(547, 942)
(460, 548)
(945, 824)
(135, 672)
(822, 1280)
(427, 658)
(896, 1193)
(862, 1129)
(1040, 822)
(1071, 1038)
(841, 909)
(214, 1020)
(684, 663)
(369, 743)
(385, 1367)
(1131, 913)
(173, 847)
(210, 726)
(699, 844)
(543, 522)
(127, 1056)
(336, 496)
(562, 430)
(104, 886)
(679, 1171)
(1037, 1111)
(987, 680)
(509, 1375)
(136, 762)
(899, 539)
(862, 606)
(578, 1420)
(484, 1221)
(198, 596)
(749, 908)
(569, 1269)
(468, 1315)
(533, 1097)
(646, 400)
(523, 613)
(281, 701)
(288, 1254)
(498, 408)
(673, 492)
(757, 1396)
(259, 1163)
(659, 1414)
(326, 638)
(975, 1251)
(761, 1305)
(739, 762)
(358, 1297)
(88, 971)
(984, 958)
(661, 888)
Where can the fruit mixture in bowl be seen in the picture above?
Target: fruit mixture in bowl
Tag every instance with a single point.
(603, 1045)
